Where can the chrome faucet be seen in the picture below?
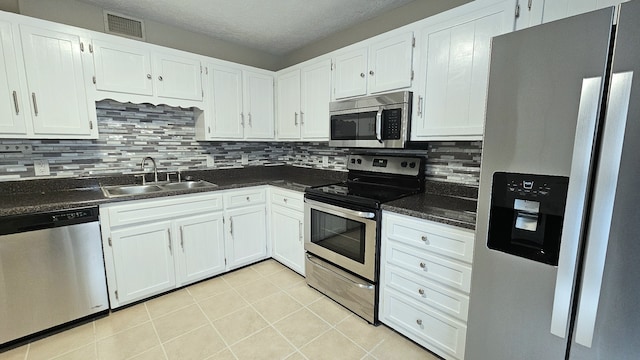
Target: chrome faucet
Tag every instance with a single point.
(155, 168)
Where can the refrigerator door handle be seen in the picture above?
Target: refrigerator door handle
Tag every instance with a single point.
(588, 111)
(604, 196)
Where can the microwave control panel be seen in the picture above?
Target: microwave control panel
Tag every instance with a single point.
(392, 123)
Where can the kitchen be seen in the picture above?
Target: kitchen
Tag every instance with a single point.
(126, 136)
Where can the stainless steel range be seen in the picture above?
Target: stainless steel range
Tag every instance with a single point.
(342, 228)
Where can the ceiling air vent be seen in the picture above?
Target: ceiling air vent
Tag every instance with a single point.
(122, 25)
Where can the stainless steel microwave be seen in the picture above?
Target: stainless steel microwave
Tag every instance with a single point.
(379, 121)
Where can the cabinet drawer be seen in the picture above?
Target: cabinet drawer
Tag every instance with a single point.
(244, 198)
(427, 292)
(288, 199)
(422, 263)
(429, 328)
(438, 238)
(138, 211)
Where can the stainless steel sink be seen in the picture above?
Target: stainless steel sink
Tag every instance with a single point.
(127, 190)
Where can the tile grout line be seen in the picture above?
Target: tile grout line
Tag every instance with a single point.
(155, 331)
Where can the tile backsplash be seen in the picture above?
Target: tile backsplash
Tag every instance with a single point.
(129, 132)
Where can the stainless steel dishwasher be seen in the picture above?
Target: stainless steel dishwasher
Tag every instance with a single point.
(51, 271)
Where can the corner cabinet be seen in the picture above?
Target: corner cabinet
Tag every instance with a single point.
(147, 253)
(240, 104)
(383, 65)
(287, 220)
(303, 96)
(425, 279)
(449, 100)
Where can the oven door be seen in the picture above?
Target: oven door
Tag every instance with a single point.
(345, 237)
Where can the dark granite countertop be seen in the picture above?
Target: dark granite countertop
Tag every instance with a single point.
(441, 202)
(32, 196)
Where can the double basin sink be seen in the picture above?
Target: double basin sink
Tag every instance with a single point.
(127, 190)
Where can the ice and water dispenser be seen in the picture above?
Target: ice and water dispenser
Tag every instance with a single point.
(526, 215)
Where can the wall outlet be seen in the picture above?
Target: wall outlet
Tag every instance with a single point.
(210, 160)
(41, 167)
(325, 161)
(245, 159)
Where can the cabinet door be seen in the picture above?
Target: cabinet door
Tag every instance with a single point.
(177, 77)
(455, 64)
(143, 261)
(529, 13)
(287, 235)
(558, 9)
(350, 77)
(226, 84)
(11, 107)
(314, 102)
(289, 105)
(246, 237)
(390, 63)
(259, 112)
(201, 247)
(122, 68)
(55, 82)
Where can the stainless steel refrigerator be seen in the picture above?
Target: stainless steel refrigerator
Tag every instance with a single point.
(557, 252)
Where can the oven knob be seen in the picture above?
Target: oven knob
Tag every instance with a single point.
(412, 165)
(403, 164)
(359, 161)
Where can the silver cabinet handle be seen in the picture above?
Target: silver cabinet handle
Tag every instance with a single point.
(423, 266)
(576, 198)
(529, 5)
(420, 99)
(170, 248)
(301, 118)
(361, 75)
(209, 129)
(35, 103)
(250, 120)
(300, 231)
(149, 76)
(419, 322)
(295, 118)
(181, 235)
(604, 196)
(421, 291)
(160, 78)
(15, 102)
(242, 119)
(371, 72)
(425, 239)
(231, 225)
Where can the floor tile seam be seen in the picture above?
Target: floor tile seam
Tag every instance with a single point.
(227, 346)
(248, 336)
(93, 327)
(184, 334)
(171, 311)
(314, 339)
(95, 351)
(98, 339)
(155, 331)
(353, 341)
(211, 296)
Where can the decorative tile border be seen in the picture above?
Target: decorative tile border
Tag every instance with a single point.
(129, 132)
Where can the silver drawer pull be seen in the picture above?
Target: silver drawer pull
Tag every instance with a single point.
(419, 322)
(35, 103)
(421, 291)
(425, 239)
(15, 102)
(423, 266)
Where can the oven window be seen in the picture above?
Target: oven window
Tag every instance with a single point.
(343, 236)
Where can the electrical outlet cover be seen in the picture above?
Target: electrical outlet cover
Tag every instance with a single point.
(245, 159)
(210, 160)
(41, 167)
(325, 161)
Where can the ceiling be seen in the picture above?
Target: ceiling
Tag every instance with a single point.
(273, 26)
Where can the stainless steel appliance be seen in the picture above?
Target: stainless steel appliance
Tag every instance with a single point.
(342, 228)
(378, 121)
(563, 103)
(51, 271)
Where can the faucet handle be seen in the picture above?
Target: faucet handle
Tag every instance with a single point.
(144, 179)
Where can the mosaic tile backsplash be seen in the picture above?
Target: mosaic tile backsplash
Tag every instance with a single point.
(129, 132)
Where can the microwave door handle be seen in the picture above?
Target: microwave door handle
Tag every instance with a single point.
(379, 125)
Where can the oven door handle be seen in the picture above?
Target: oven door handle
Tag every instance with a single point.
(360, 285)
(360, 214)
(379, 125)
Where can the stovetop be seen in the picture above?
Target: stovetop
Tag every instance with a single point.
(369, 184)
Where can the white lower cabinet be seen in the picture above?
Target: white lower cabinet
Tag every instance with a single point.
(425, 281)
(201, 251)
(287, 219)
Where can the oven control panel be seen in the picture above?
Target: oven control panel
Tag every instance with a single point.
(386, 164)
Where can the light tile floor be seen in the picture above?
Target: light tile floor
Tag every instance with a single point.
(264, 311)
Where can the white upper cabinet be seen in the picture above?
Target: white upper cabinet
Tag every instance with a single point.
(240, 104)
(12, 118)
(288, 119)
(258, 106)
(129, 67)
(449, 101)
(56, 84)
(558, 9)
(528, 13)
(384, 65)
(304, 94)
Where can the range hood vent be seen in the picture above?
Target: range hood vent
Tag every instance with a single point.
(123, 25)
